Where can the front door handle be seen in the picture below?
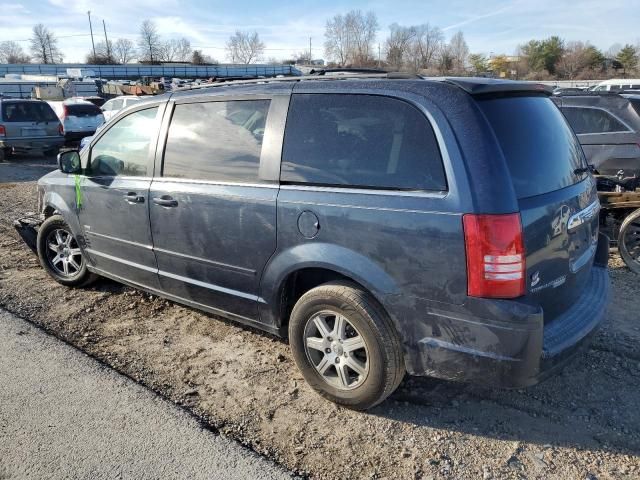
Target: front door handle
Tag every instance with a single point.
(165, 201)
(133, 197)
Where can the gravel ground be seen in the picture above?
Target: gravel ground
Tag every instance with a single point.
(581, 424)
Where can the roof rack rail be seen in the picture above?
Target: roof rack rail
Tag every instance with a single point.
(324, 71)
(330, 76)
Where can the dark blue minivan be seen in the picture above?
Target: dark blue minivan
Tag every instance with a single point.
(443, 227)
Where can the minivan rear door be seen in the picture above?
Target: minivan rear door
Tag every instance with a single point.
(557, 199)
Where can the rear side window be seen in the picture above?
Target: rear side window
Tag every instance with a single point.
(28, 112)
(219, 141)
(83, 110)
(592, 120)
(362, 141)
(539, 146)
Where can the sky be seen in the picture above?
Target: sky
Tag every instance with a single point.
(489, 26)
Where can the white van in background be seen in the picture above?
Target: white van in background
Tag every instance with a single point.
(79, 118)
(618, 84)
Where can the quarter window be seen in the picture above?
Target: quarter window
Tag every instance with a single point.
(124, 149)
(592, 120)
(219, 141)
(362, 141)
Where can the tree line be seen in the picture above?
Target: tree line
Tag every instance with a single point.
(351, 40)
(150, 48)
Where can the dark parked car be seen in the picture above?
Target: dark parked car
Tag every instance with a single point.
(608, 127)
(443, 228)
(28, 126)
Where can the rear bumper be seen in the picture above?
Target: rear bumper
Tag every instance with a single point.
(35, 143)
(507, 345)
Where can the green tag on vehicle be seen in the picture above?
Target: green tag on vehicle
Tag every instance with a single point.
(78, 181)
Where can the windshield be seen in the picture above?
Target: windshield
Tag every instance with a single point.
(540, 148)
(28, 112)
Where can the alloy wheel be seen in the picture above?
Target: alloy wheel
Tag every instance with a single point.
(336, 350)
(63, 253)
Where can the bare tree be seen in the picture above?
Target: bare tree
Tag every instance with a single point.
(244, 47)
(398, 44)
(104, 54)
(337, 43)
(363, 32)
(149, 42)
(428, 42)
(123, 50)
(175, 50)
(459, 52)
(44, 45)
(349, 38)
(11, 52)
(445, 58)
(183, 50)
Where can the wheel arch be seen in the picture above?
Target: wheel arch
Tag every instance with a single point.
(295, 271)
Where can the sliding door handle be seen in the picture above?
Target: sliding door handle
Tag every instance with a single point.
(165, 201)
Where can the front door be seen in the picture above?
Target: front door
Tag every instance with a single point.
(114, 199)
(213, 215)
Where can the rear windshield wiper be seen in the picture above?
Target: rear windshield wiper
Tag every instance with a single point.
(588, 169)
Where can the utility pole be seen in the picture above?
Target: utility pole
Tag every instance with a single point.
(91, 30)
(378, 55)
(310, 56)
(106, 41)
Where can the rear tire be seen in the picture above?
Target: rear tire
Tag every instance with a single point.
(60, 255)
(345, 345)
(629, 241)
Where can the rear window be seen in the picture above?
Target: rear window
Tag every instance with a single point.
(360, 141)
(83, 110)
(585, 120)
(28, 112)
(538, 144)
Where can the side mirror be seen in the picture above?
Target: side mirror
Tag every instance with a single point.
(69, 162)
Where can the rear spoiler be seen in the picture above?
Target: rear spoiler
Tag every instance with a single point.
(489, 86)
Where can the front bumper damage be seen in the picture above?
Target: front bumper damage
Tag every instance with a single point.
(27, 227)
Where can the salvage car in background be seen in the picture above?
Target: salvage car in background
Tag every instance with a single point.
(28, 126)
(79, 118)
(113, 106)
(444, 228)
(608, 127)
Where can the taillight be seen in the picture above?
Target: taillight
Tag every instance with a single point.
(3, 131)
(495, 255)
(61, 129)
(65, 112)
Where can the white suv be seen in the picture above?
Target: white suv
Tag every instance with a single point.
(113, 106)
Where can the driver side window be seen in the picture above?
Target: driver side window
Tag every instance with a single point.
(124, 149)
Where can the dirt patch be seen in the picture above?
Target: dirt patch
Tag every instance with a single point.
(583, 423)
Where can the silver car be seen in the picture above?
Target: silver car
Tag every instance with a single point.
(28, 126)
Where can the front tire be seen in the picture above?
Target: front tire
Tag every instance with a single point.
(345, 345)
(60, 254)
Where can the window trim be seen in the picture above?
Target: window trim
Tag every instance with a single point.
(589, 107)
(295, 185)
(271, 112)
